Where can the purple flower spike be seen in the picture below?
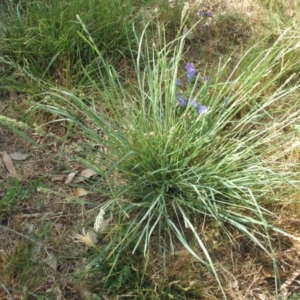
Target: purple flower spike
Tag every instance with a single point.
(191, 71)
(181, 100)
(179, 82)
(201, 109)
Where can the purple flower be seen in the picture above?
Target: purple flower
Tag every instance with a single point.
(205, 13)
(209, 13)
(201, 109)
(206, 79)
(191, 71)
(179, 82)
(194, 103)
(181, 100)
(198, 107)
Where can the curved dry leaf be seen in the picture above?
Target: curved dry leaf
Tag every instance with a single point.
(79, 192)
(2, 106)
(19, 156)
(70, 177)
(9, 164)
(85, 174)
(13, 95)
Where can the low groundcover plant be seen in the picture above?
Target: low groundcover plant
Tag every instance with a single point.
(176, 157)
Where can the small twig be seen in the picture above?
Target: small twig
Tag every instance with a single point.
(7, 291)
(18, 233)
(37, 215)
(26, 237)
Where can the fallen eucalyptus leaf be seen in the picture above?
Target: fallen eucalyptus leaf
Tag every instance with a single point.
(9, 164)
(19, 156)
(51, 261)
(87, 173)
(13, 95)
(57, 178)
(2, 106)
(70, 177)
(84, 174)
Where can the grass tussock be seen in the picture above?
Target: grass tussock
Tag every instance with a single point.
(189, 121)
(172, 161)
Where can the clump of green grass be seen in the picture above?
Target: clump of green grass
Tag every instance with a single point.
(44, 41)
(174, 156)
(43, 38)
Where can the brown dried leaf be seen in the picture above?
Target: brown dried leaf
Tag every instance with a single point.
(85, 174)
(182, 253)
(57, 178)
(79, 192)
(2, 106)
(269, 272)
(70, 177)
(9, 164)
(51, 261)
(13, 95)
(19, 156)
